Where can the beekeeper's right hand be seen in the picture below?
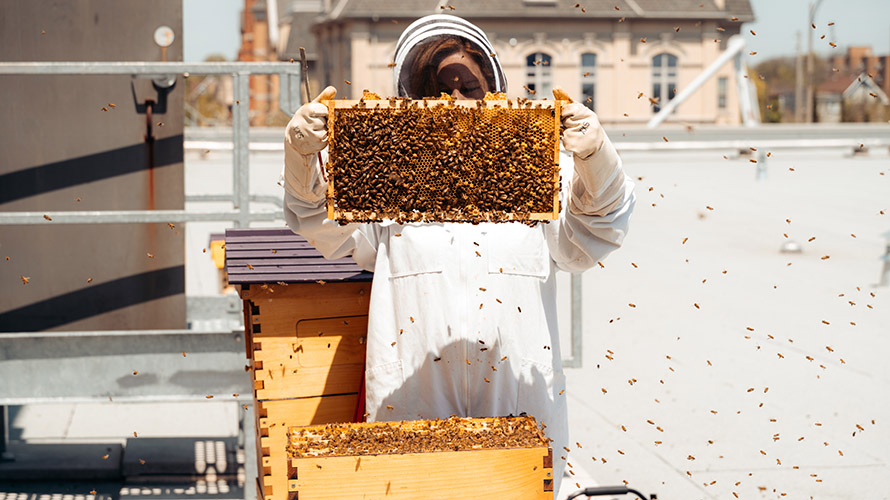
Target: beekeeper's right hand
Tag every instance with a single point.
(307, 131)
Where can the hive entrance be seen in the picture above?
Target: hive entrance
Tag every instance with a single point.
(443, 160)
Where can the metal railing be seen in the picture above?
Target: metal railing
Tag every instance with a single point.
(240, 214)
(20, 344)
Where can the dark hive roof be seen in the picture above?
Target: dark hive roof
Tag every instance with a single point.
(690, 9)
(280, 255)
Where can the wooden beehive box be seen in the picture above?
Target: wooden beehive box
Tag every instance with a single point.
(305, 323)
(443, 160)
(457, 458)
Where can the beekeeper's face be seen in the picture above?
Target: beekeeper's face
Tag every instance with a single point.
(460, 76)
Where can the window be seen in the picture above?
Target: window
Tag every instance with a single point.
(664, 79)
(588, 79)
(721, 92)
(539, 75)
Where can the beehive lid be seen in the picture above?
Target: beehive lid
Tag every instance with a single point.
(255, 256)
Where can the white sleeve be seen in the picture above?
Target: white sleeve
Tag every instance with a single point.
(306, 214)
(595, 213)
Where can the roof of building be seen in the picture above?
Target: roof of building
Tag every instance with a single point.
(300, 35)
(255, 256)
(656, 9)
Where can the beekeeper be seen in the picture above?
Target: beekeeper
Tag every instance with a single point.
(463, 317)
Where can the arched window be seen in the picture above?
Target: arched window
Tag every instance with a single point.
(588, 79)
(539, 75)
(664, 78)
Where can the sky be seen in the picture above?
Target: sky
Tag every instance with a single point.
(213, 27)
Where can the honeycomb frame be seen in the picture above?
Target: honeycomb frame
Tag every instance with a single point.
(443, 160)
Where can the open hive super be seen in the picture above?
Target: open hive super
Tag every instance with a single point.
(451, 458)
(443, 160)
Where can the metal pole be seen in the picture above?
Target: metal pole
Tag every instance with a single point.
(814, 6)
(577, 323)
(241, 140)
(5, 454)
(248, 441)
(798, 83)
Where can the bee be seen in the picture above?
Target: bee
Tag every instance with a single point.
(632, 305)
(209, 396)
(389, 407)
(677, 29)
(709, 207)
(151, 255)
(699, 307)
(665, 139)
(135, 435)
(47, 217)
(25, 279)
(811, 238)
(160, 124)
(685, 240)
(634, 264)
(643, 40)
(135, 372)
(825, 257)
(753, 33)
(184, 354)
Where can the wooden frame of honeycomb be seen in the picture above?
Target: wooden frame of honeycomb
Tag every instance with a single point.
(456, 458)
(443, 160)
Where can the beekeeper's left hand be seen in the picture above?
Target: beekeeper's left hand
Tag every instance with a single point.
(582, 133)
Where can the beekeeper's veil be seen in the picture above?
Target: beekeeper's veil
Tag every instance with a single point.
(429, 28)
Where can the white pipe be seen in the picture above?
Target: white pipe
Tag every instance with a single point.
(736, 45)
(272, 17)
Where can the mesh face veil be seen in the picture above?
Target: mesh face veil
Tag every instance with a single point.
(435, 27)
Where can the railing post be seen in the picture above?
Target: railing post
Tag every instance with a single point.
(5, 454)
(577, 323)
(241, 153)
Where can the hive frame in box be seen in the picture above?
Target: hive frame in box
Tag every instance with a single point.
(496, 105)
(519, 473)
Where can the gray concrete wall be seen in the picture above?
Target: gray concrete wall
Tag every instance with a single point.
(80, 143)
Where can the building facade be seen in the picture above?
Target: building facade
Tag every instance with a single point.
(614, 56)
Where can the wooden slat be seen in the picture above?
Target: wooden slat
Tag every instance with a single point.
(321, 357)
(338, 299)
(517, 474)
(285, 413)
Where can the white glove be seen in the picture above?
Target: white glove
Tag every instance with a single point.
(305, 136)
(583, 135)
(307, 131)
(598, 181)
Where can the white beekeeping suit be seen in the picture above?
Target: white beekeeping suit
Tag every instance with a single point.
(463, 317)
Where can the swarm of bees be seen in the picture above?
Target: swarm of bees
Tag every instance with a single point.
(416, 436)
(421, 160)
